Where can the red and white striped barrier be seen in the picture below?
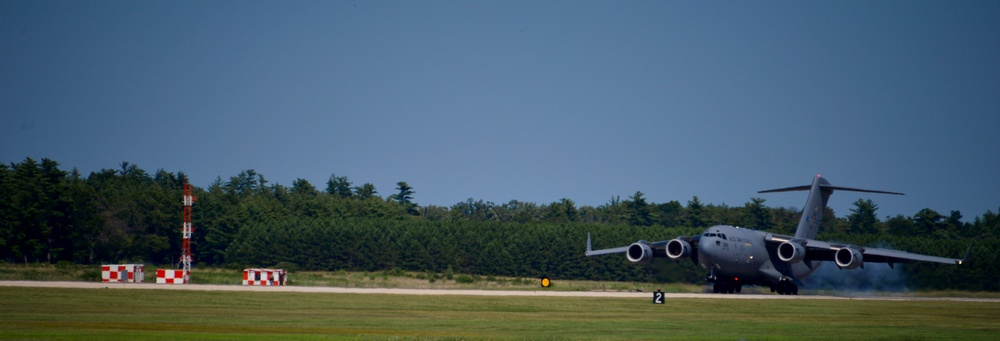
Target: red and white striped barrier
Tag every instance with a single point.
(118, 273)
(170, 277)
(267, 277)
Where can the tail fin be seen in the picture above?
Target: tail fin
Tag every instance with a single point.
(819, 194)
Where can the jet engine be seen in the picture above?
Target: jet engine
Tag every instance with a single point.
(848, 258)
(790, 252)
(677, 249)
(640, 253)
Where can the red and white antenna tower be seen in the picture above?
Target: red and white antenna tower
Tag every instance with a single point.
(186, 230)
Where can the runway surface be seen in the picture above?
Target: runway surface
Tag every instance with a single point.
(461, 292)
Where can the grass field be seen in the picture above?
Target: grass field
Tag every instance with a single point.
(415, 280)
(59, 314)
(381, 279)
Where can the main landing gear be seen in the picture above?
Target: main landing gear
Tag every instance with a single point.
(785, 287)
(726, 287)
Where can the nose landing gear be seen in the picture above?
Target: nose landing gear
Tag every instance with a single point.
(723, 285)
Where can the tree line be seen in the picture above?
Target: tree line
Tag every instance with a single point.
(131, 215)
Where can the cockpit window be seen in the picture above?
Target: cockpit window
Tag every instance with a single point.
(723, 236)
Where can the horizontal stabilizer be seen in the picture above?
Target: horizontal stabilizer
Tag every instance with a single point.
(789, 189)
(836, 188)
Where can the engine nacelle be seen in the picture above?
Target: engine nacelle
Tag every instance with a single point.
(848, 258)
(677, 249)
(639, 253)
(791, 253)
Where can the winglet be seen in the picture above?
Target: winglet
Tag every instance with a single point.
(960, 261)
(589, 248)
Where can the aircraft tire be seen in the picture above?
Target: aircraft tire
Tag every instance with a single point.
(785, 288)
(724, 288)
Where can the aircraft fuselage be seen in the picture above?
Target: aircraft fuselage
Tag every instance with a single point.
(741, 256)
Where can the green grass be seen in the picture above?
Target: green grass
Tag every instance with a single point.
(411, 280)
(382, 279)
(63, 271)
(58, 314)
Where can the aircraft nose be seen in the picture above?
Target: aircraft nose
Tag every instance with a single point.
(708, 248)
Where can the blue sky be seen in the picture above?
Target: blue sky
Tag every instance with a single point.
(533, 101)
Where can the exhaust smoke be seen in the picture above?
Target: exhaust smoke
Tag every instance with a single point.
(873, 280)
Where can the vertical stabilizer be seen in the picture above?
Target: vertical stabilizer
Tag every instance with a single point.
(812, 212)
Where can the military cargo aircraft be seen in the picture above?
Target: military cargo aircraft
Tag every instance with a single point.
(736, 256)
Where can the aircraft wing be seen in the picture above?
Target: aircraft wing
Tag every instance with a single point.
(825, 251)
(622, 249)
(894, 256)
(592, 252)
(644, 251)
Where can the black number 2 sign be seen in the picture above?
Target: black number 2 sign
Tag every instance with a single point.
(658, 297)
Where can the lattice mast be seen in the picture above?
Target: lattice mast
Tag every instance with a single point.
(186, 230)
